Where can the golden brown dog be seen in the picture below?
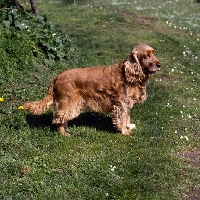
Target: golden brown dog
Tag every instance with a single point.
(116, 88)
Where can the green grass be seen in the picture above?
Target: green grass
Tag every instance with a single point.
(95, 163)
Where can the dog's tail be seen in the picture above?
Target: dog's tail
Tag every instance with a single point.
(38, 107)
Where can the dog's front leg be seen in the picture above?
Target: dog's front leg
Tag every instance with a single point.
(128, 120)
(119, 119)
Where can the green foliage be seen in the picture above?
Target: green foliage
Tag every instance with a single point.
(5, 3)
(15, 50)
(44, 39)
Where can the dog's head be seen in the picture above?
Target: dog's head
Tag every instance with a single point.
(141, 62)
(145, 56)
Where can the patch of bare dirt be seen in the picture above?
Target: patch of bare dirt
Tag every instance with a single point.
(144, 19)
(175, 79)
(191, 158)
(130, 16)
(193, 194)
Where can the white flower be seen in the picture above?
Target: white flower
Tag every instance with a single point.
(168, 104)
(112, 168)
(184, 137)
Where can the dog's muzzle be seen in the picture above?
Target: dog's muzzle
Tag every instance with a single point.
(158, 66)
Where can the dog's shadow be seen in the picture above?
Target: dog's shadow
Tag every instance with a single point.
(99, 121)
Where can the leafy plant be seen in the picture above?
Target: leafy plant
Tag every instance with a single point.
(5, 3)
(44, 38)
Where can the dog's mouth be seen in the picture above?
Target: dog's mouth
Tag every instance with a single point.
(153, 69)
(152, 72)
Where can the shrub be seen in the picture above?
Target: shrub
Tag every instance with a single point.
(42, 38)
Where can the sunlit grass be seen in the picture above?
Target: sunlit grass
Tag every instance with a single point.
(97, 163)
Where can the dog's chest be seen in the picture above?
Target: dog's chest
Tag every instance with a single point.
(135, 95)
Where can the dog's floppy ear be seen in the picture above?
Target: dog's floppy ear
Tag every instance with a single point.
(133, 69)
(135, 56)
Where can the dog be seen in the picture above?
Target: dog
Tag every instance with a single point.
(116, 89)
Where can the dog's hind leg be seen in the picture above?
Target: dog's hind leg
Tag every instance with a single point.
(62, 129)
(65, 110)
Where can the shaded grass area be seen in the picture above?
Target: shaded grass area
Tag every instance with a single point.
(96, 162)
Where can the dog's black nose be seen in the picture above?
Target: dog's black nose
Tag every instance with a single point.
(158, 65)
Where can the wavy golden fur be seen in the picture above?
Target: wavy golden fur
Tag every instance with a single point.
(116, 88)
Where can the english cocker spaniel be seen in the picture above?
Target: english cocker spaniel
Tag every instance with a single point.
(116, 88)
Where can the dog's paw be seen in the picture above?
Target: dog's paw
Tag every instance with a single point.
(126, 132)
(65, 134)
(131, 126)
(61, 129)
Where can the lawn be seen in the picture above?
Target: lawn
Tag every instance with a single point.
(159, 161)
